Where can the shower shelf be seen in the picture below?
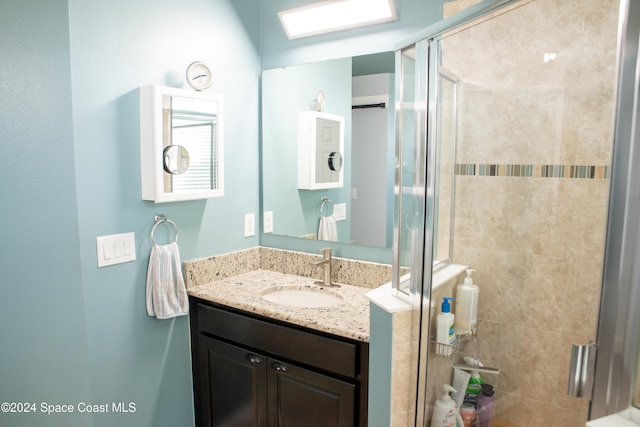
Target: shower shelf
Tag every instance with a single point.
(458, 346)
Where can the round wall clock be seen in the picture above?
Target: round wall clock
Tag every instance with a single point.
(199, 76)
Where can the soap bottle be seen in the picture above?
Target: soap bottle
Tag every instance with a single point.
(474, 389)
(444, 325)
(467, 294)
(445, 412)
(485, 407)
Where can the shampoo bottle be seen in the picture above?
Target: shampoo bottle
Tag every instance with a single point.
(486, 408)
(444, 324)
(467, 305)
(445, 412)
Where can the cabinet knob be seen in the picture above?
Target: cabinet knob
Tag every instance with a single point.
(253, 358)
(279, 367)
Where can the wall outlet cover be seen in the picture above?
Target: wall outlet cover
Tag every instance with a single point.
(340, 211)
(268, 222)
(249, 225)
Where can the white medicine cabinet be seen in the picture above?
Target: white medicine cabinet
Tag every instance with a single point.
(320, 150)
(181, 144)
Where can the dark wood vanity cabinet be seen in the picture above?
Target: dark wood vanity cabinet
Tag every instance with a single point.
(252, 371)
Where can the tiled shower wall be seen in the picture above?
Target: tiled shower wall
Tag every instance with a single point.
(531, 195)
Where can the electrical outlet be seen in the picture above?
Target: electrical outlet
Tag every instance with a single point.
(268, 222)
(249, 225)
(340, 211)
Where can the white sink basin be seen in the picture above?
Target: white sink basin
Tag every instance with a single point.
(302, 296)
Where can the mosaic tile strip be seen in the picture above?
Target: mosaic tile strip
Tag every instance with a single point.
(520, 170)
(552, 171)
(535, 171)
(489, 170)
(465, 169)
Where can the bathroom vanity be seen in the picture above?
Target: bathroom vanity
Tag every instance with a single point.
(259, 363)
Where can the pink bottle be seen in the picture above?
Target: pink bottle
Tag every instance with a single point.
(468, 414)
(485, 408)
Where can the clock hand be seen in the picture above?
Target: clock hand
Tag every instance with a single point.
(198, 76)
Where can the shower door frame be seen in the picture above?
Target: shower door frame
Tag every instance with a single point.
(619, 317)
(617, 340)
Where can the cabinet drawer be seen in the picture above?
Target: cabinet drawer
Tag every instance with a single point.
(333, 355)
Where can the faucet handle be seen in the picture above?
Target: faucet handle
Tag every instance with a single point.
(326, 252)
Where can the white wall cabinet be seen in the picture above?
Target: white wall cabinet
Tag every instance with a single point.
(181, 144)
(320, 150)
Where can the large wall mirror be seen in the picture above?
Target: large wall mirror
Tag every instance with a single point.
(362, 208)
(362, 90)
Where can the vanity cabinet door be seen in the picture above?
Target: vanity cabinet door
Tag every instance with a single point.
(233, 385)
(250, 372)
(299, 397)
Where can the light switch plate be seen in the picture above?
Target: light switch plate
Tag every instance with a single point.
(116, 249)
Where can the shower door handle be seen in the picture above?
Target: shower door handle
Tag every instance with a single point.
(581, 372)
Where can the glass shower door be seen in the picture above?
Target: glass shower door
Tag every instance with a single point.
(535, 97)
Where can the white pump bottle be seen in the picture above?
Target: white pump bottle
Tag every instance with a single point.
(467, 295)
(445, 412)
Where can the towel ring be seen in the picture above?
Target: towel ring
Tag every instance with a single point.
(159, 219)
(325, 201)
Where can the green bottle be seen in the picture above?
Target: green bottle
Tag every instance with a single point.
(474, 389)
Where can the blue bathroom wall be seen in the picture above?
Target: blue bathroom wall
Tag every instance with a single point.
(43, 344)
(72, 332)
(285, 93)
(116, 47)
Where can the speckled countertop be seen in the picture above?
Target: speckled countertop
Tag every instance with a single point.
(244, 291)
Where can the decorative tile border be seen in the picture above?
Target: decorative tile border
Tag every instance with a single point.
(533, 171)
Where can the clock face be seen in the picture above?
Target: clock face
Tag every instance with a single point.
(199, 76)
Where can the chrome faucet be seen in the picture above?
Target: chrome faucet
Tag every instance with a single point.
(325, 262)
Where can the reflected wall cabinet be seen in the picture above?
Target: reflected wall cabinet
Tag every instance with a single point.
(320, 150)
(181, 144)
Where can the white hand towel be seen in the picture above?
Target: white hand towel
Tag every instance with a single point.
(166, 292)
(327, 229)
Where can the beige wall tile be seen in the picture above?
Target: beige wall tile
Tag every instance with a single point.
(568, 418)
(528, 361)
(524, 411)
(481, 206)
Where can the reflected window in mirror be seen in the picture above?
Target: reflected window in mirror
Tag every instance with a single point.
(193, 127)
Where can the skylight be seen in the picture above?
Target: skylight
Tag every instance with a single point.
(334, 15)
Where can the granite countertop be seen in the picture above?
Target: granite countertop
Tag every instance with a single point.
(349, 319)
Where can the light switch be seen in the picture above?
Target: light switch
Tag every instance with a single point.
(107, 250)
(116, 249)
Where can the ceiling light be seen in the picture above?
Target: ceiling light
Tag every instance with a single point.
(334, 15)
